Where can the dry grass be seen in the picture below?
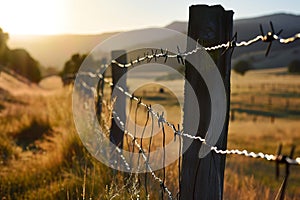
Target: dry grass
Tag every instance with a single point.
(50, 156)
(43, 158)
(256, 175)
(261, 126)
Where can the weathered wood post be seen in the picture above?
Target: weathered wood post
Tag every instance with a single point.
(116, 133)
(203, 178)
(100, 87)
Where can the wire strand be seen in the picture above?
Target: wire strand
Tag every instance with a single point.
(161, 119)
(143, 156)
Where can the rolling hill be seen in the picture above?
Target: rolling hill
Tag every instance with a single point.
(249, 28)
(54, 50)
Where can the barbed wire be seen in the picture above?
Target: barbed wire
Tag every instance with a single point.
(270, 37)
(118, 150)
(161, 119)
(126, 93)
(268, 157)
(181, 56)
(144, 156)
(107, 129)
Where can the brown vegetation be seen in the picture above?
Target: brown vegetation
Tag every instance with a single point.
(42, 157)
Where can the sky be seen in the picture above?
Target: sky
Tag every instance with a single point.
(98, 16)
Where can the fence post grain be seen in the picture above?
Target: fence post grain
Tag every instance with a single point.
(203, 178)
(118, 78)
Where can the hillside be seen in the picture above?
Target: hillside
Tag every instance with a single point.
(16, 85)
(13, 84)
(55, 50)
(247, 29)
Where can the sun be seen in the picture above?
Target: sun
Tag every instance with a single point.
(31, 17)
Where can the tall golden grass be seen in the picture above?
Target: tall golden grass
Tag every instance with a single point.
(53, 163)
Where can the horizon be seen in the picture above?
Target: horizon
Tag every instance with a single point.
(118, 31)
(78, 17)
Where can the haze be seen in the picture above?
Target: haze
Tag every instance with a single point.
(97, 16)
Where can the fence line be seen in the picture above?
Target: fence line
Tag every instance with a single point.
(270, 37)
(161, 119)
(135, 143)
(279, 158)
(180, 56)
(155, 55)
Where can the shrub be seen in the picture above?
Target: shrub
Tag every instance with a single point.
(21, 62)
(294, 66)
(242, 66)
(71, 67)
(6, 149)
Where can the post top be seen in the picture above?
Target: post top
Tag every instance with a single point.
(217, 7)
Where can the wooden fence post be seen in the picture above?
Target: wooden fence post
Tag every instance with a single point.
(203, 178)
(116, 133)
(100, 87)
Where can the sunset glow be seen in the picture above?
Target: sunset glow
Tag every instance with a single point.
(98, 16)
(31, 17)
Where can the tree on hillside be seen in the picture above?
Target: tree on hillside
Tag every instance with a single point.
(294, 66)
(71, 67)
(4, 50)
(242, 66)
(21, 62)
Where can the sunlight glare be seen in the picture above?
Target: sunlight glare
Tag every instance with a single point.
(31, 17)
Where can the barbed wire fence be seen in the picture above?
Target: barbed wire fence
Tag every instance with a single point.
(144, 149)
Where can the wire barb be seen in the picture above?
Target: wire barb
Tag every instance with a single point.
(270, 36)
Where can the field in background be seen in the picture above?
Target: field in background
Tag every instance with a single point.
(265, 107)
(42, 157)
